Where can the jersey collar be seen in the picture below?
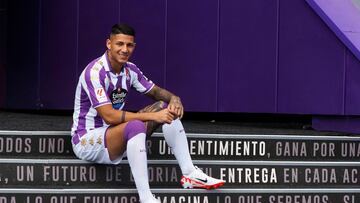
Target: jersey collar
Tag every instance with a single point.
(107, 65)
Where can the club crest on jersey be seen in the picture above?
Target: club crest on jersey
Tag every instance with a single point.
(117, 97)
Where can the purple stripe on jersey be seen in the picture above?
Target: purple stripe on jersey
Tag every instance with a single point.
(82, 132)
(98, 121)
(144, 82)
(102, 76)
(119, 81)
(90, 87)
(84, 109)
(111, 87)
(141, 78)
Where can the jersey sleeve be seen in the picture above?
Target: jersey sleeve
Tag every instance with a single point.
(139, 81)
(94, 81)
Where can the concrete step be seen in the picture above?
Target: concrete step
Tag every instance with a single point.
(181, 195)
(40, 173)
(56, 144)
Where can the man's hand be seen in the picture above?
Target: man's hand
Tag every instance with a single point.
(175, 107)
(174, 103)
(163, 116)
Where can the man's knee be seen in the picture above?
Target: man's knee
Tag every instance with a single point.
(158, 106)
(133, 128)
(155, 107)
(163, 105)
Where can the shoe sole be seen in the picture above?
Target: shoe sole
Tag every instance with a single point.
(189, 184)
(208, 187)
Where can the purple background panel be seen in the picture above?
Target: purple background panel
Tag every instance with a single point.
(349, 124)
(2, 86)
(191, 53)
(58, 57)
(247, 56)
(22, 67)
(220, 56)
(352, 85)
(95, 21)
(3, 4)
(343, 18)
(3, 45)
(148, 21)
(311, 63)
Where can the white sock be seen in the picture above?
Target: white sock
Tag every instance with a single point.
(136, 153)
(175, 137)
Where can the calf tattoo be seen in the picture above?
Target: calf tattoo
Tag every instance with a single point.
(151, 126)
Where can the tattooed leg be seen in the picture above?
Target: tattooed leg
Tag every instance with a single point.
(151, 126)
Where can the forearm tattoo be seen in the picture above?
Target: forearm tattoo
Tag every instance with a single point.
(162, 94)
(175, 100)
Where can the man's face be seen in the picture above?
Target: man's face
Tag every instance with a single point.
(120, 48)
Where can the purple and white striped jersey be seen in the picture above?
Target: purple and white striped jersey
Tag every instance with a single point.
(99, 85)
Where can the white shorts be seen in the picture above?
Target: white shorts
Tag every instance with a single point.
(91, 147)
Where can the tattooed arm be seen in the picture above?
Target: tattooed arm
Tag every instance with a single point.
(174, 103)
(114, 117)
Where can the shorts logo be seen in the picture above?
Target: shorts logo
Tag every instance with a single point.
(91, 141)
(100, 94)
(83, 141)
(99, 140)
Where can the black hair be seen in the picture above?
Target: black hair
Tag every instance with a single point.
(122, 29)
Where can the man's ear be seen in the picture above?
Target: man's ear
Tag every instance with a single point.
(108, 43)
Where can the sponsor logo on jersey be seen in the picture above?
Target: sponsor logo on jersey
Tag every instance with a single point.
(118, 98)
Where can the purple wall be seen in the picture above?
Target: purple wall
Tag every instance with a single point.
(191, 53)
(352, 99)
(248, 49)
(311, 63)
(254, 56)
(22, 70)
(58, 53)
(3, 44)
(150, 38)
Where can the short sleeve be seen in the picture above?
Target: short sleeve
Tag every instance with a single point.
(139, 81)
(94, 80)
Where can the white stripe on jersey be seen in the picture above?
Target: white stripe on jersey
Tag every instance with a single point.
(135, 82)
(123, 82)
(76, 108)
(90, 121)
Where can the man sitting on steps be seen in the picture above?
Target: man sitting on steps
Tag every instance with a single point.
(102, 132)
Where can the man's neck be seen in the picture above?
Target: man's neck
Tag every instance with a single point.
(116, 67)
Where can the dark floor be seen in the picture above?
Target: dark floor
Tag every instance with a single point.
(227, 123)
